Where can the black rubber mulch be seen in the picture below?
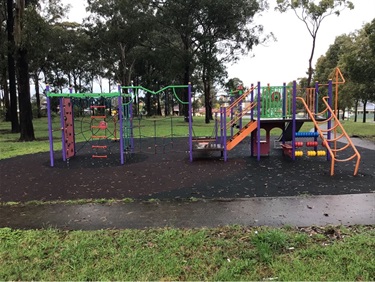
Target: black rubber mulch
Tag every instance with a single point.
(169, 174)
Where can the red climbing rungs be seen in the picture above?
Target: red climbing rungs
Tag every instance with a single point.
(102, 117)
(98, 147)
(99, 156)
(97, 107)
(98, 137)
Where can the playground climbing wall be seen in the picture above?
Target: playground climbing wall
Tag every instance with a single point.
(68, 128)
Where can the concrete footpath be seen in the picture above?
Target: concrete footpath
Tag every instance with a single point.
(295, 211)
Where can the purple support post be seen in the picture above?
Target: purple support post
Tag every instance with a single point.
(294, 114)
(221, 127)
(329, 124)
(258, 122)
(74, 134)
(131, 125)
(121, 118)
(190, 123)
(240, 112)
(50, 136)
(252, 118)
(316, 110)
(225, 133)
(284, 101)
(216, 131)
(251, 101)
(231, 117)
(62, 126)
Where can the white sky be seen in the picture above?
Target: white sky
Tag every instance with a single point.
(287, 58)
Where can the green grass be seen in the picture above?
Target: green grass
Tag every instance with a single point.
(229, 253)
(145, 127)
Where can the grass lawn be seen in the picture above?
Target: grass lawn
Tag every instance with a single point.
(228, 253)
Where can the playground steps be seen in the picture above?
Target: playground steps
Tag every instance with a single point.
(331, 143)
(98, 133)
(98, 148)
(240, 135)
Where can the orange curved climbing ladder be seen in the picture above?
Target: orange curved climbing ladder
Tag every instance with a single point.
(327, 142)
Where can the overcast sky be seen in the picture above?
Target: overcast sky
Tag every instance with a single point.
(287, 58)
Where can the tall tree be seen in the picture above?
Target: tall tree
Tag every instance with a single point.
(325, 69)
(222, 36)
(360, 63)
(26, 115)
(204, 38)
(121, 26)
(11, 68)
(3, 61)
(312, 15)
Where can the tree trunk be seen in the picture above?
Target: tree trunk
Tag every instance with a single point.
(206, 101)
(37, 94)
(310, 70)
(11, 69)
(166, 103)
(185, 107)
(158, 109)
(6, 96)
(364, 111)
(26, 114)
(209, 101)
(356, 110)
(148, 103)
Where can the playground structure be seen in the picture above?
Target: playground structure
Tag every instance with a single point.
(268, 107)
(110, 118)
(276, 107)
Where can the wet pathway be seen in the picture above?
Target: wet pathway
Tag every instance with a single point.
(270, 211)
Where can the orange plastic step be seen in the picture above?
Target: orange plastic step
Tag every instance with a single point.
(240, 135)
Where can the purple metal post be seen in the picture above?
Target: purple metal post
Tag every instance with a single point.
(240, 112)
(62, 125)
(131, 124)
(316, 110)
(284, 101)
(221, 127)
(294, 114)
(329, 124)
(216, 131)
(316, 97)
(225, 133)
(258, 122)
(190, 123)
(121, 118)
(251, 119)
(50, 136)
(252, 100)
(231, 116)
(74, 134)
